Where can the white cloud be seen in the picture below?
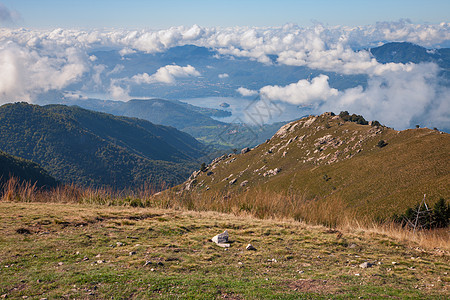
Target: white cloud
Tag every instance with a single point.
(167, 74)
(117, 92)
(398, 97)
(301, 92)
(224, 75)
(246, 92)
(33, 61)
(126, 51)
(25, 72)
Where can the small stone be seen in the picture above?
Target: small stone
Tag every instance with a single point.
(100, 261)
(38, 281)
(301, 272)
(118, 244)
(353, 245)
(221, 239)
(147, 263)
(394, 263)
(244, 183)
(4, 296)
(98, 255)
(132, 253)
(357, 274)
(245, 150)
(85, 258)
(153, 270)
(77, 253)
(250, 247)
(60, 263)
(366, 265)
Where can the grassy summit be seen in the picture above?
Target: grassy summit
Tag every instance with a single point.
(328, 165)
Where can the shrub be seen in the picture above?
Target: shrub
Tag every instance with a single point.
(376, 123)
(381, 144)
(438, 217)
(441, 214)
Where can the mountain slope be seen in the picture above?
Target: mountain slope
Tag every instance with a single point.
(24, 170)
(194, 120)
(92, 148)
(324, 159)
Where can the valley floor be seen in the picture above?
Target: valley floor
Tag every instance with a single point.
(81, 251)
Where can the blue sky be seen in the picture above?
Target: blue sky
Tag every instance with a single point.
(135, 14)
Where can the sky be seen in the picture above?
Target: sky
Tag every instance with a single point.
(136, 14)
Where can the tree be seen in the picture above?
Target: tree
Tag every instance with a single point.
(441, 214)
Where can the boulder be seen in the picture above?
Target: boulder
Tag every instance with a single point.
(366, 265)
(245, 150)
(221, 239)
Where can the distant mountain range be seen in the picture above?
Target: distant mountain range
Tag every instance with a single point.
(371, 170)
(24, 170)
(92, 148)
(411, 53)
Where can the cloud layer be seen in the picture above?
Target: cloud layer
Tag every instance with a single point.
(398, 98)
(33, 61)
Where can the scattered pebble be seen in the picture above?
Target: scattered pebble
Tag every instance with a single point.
(250, 247)
(132, 253)
(60, 263)
(366, 265)
(118, 244)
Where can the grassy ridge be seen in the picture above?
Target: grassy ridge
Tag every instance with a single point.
(84, 251)
(328, 164)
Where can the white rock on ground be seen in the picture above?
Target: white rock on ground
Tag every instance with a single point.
(221, 239)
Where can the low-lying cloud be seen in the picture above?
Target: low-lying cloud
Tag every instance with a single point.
(301, 92)
(167, 74)
(35, 61)
(399, 98)
(25, 72)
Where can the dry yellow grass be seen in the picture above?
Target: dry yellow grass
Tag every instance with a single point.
(260, 204)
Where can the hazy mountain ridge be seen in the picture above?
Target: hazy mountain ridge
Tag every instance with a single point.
(324, 158)
(91, 148)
